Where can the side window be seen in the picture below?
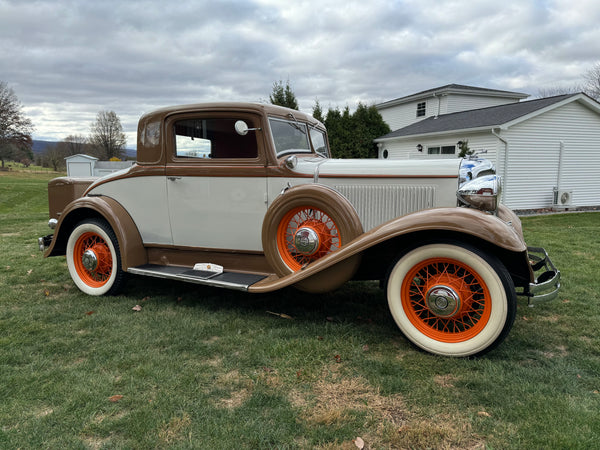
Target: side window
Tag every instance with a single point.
(421, 109)
(212, 139)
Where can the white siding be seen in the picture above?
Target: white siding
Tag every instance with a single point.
(457, 103)
(407, 149)
(534, 147)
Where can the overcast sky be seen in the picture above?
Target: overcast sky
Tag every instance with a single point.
(68, 59)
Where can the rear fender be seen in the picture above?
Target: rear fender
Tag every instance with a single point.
(130, 242)
(503, 231)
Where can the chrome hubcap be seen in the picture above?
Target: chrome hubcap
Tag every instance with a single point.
(89, 260)
(306, 240)
(443, 301)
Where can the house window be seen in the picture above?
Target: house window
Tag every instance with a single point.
(443, 150)
(421, 109)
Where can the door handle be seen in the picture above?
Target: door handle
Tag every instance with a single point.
(174, 178)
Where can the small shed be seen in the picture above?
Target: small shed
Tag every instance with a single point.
(79, 166)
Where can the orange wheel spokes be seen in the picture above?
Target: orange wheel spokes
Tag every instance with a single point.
(98, 249)
(446, 300)
(313, 222)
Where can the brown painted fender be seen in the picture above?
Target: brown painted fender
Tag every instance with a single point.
(130, 242)
(503, 231)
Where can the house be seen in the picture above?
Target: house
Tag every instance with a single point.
(88, 166)
(547, 150)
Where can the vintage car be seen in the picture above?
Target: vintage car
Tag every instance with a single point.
(245, 196)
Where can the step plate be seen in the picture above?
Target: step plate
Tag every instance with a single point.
(229, 280)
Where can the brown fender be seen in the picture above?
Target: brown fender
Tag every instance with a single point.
(339, 211)
(466, 221)
(130, 242)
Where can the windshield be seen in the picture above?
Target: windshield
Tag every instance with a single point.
(319, 142)
(289, 136)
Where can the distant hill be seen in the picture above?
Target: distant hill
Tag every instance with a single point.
(39, 147)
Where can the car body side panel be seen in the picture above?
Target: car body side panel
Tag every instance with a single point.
(145, 199)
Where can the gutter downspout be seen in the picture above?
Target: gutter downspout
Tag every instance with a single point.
(505, 175)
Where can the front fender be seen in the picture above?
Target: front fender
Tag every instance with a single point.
(503, 231)
(130, 242)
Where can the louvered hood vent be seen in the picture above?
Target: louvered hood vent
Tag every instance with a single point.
(378, 204)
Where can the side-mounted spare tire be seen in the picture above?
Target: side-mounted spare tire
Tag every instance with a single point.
(306, 223)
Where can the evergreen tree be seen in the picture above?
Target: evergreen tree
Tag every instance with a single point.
(283, 95)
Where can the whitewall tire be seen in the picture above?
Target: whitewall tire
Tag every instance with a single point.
(93, 258)
(451, 299)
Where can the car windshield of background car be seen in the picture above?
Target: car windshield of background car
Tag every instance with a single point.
(289, 137)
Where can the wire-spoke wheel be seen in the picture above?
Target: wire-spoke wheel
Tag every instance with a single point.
(451, 299)
(306, 234)
(93, 258)
(306, 223)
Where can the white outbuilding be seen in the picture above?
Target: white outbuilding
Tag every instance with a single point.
(547, 150)
(81, 166)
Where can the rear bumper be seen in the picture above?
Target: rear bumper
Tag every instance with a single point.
(547, 277)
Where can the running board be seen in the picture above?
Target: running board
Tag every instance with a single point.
(229, 280)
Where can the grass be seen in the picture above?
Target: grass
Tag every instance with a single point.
(206, 368)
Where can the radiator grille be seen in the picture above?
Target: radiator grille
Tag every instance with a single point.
(378, 204)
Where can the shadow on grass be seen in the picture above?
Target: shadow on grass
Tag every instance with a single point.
(354, 302)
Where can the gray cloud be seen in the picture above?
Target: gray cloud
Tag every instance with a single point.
(68, 59)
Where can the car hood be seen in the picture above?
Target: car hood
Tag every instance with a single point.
(378, 167)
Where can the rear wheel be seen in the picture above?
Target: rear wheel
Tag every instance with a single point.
(451, 299)
(94, 259)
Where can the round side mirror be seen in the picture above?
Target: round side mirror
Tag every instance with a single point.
(241, 128)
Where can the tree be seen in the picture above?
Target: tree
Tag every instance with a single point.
(352, 135)
(107, 135)
(592, 82)
(317, 112)
(559, 90)
(74, 144)
(283, 96)
(15, 128)
(463, 146)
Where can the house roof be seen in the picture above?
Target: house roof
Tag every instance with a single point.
(452, 89)
(491, 117)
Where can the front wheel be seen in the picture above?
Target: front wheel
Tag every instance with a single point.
(451, 299)
(93, 258)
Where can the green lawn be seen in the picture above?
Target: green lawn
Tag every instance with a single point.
(206, 368)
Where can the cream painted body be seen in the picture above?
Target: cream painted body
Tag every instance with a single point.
(228, 212)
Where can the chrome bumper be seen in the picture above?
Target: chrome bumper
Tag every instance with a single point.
(547, 283)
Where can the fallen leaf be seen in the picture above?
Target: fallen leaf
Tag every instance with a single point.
(365, 348)
(578, 376)
(283, 316)
(89, 313)
(484, 414)
(145, 299)
(338, 358)
(596, 392)
(30, 271)
(359, 442)
(46, 292)
(115, 398)
(137, 308)
(525, 318)
(320, 338)
(566, 300)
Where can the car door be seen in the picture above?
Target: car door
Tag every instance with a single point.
(216, 184)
